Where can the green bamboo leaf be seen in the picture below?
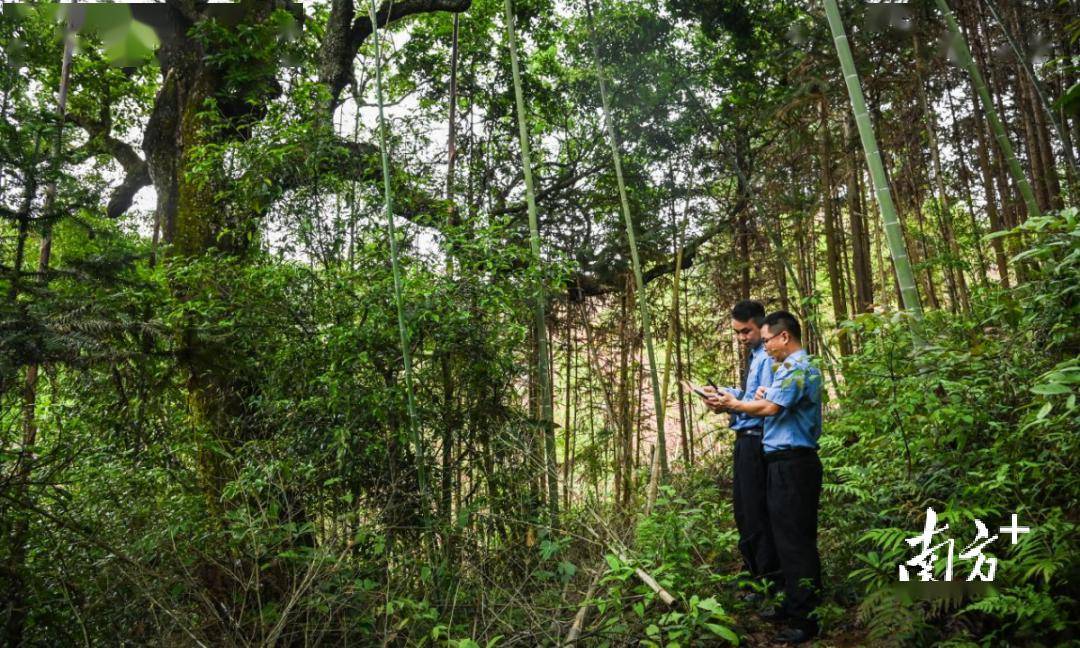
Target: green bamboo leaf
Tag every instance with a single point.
(1050, 389)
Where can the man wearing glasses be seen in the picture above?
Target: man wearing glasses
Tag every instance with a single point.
(751, 515)
(791, 406)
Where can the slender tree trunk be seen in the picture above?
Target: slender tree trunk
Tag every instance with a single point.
(954, 275)
(742, 226)
(847, 284)
(889, 294)
(914, 181)
(965, 181)
(680, 374)
(1040, 109)
(1042, 104)
(860, 239)
(832, 243)
(996, 125)
(688, 370)
(403, 331)
(673, 324)
(623, 421)
(569, 349)
(444, 359)
(996, 220)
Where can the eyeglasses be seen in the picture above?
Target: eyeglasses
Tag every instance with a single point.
(766, 340)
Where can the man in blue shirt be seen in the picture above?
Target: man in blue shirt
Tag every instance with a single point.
(791, 406)
(748, 462)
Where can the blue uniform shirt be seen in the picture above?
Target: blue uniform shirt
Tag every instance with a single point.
(759, 374)
(796, 387)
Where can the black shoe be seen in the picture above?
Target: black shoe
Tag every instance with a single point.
(796, 634)
(772, 613)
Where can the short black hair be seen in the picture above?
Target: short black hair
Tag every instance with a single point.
(747, 310)
(780, 321)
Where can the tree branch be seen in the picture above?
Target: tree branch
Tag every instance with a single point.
(565, 182)
(600, 282)
(136, 171)
(345, 33)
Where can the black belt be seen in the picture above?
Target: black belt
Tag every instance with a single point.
(789, 453)
(754, 432)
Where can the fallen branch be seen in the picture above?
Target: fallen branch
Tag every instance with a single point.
(583, 611)
(667, 598)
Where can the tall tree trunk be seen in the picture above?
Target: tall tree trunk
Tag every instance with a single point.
(965, 181)
(403, 330)
(669, 346)
(914, 181)
(742, 225)
(569, 350)
(997, 223)
(832, 243)
(444, 359)
(680, 374)
(860, 239)
(1040, 103)
(688, 369)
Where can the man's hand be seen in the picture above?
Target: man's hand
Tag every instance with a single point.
(761, 391)
(711, 396)
(722, 402)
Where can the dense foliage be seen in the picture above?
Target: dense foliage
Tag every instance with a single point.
(204, 437)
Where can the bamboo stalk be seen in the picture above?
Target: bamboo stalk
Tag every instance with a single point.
(649, 581)
(654, 481)
(894, 233)
(546, 407)
(893, 228)
(669, 343)
(643, 307)
(403, 331)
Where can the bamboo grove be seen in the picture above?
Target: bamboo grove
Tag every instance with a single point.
(365, 323)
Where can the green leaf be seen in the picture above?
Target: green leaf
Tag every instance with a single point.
(710, 604)
(1050, 389)
(1044, 411)
(723, 631)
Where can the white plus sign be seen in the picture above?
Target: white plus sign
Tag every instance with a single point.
(1015, 530)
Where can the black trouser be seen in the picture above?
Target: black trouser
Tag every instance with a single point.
(751, 513)
(793, 488)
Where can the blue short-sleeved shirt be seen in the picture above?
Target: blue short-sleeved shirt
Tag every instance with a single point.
(759, 374)
(796, 387)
